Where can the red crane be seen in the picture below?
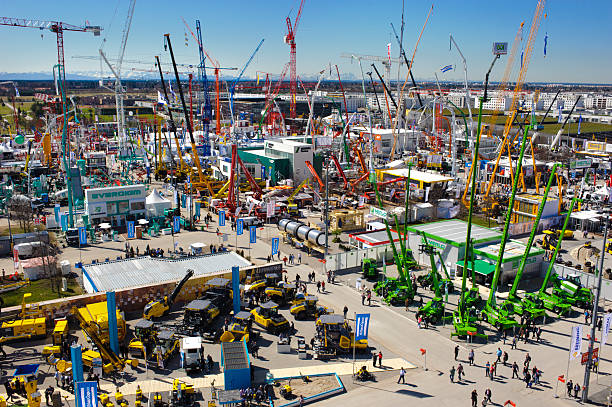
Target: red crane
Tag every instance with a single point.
(290, 40)
(57, 27)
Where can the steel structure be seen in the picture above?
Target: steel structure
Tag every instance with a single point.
(290, 40)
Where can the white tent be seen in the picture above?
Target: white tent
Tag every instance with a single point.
(156, 204)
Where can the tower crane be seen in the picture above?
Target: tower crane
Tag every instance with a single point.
(57, 27)
(217, 68)
(290, 40)
(207, 108)
(116, 70)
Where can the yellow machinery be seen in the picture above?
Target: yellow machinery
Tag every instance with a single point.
(29, 310)
(110, 360)
(308, 307)
(549, 242)
(96, 316)
(334, 334)
(27, 386)
(282, 293)
(182, 393)
(292, 208)
(346, 220)
(59, 334)
(267, 317)
(158, 308)
(238, 329)
(144, 338)
(29, 326)
(568, 234)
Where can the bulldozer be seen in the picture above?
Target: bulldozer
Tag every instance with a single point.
(159, 308)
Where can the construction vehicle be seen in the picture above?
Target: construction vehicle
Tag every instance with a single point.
(369, 270)
(219, 293)
(20, 329)
(166, 346)
(96, 316)
(111, 362)
(60, 331)
(530, 307)
(198, 318)
(191, 354)
(267, 317)
(292, 209)
(283, 293)
(239, 328)
(430, 280)
(159, 308)
(433, 311)
(183, 394)
(143, 342)
(571, 290)
(334, 335)
(308, 308)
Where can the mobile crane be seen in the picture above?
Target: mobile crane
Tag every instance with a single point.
(158, 308)
(433, 311)
(529, 306)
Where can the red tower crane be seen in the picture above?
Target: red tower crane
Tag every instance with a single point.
(57, 27)
(290, 40)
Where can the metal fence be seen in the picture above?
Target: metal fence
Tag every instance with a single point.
(348, 260)
(587, 279)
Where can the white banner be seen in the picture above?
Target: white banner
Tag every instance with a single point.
(270, 209)
(607, 320)
(576, 344)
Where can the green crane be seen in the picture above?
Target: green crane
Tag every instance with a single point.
(528, 306)
(493, 314)
(433, 311)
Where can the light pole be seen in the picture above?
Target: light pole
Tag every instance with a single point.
(587, 368)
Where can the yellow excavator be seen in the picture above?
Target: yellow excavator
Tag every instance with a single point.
(158, 308)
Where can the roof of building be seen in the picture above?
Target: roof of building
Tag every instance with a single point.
(454, 232)
(415, 175)
(116, 275)
(234, 356)
(375, 237)
(512, 251)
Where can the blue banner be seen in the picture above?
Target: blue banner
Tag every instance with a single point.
(221, 218)
(86, 394)
(183, 201)
(176, 222)
(240, 227)
(82, 236)
(64, 222)
(263, 172)
(56, 211)
(197, 208)
(362, 324)
(131, 229)
(252, 234)
(274, 245)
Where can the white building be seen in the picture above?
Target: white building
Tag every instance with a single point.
(115, 205)
(296, 151)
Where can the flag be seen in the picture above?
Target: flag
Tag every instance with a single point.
(16, 92)
(545, 44)
(252, 234)
(560, 114)
(576, 345)
(607, 321)
(362, 324)
(161, 100)
(561, 378)
(579, 122)
(389, 52)
(275, 241)
(423, 351)
(522, 53)
(446, 68)
(240, 226)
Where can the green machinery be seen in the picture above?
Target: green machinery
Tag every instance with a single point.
(369, 269)
(558, 301)
(531, 306)
(432, 281)
(433, 311)
(397, 291)
(497, 316)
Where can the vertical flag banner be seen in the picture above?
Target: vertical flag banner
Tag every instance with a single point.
(274, 245)
(131, 229)
(16, 258)
(607, 321)
(240, 227)
(362, 324)
(56, 211)
(87, 394)
(64, 222)
(560, 116)
(389, 52)
(270, 209)
(176, 198)
(198, 205)
(545, 44)
(221, 218)
(176, 222)
(579, 122)
(82, 236)
(576, 346)
(263, 172)
(252, 234)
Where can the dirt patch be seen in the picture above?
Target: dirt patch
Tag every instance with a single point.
(316, 385)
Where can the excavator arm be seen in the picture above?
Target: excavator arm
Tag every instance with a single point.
(249, 177)
(179, 287)
(315, 175)
(340, 171)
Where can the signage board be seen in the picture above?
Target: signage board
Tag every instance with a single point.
(500, 48)
(582, 163)
(585, 356)
(380, 213)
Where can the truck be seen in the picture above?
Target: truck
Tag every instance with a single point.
(191, 353)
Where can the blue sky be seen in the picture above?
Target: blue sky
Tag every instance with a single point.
(578, 34)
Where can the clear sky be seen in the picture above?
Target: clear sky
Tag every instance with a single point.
(579, 34)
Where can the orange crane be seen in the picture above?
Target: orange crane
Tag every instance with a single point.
(315, 175)
(340, 171)
(533, 32)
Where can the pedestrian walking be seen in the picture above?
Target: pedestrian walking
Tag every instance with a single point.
(374, 358)
(460, 371)
(515, 370)
(300, 258)
(452, 374)
(323, 286)
(471, 357)
(527, 379)
(419, 320)
(539, 332)
(474, 398)
(499, 354)
(505, 359)
(379, 359)
(319, 287)
(513, 343)
(456, 351)
(487, 369)
(570, 386)
(363, 297)
(345, 311)
(402, 373)
(527, 361)
(488, 395)
(58, 377)
(369, 295)
(586, 316)
(492, 371)
(407, 303)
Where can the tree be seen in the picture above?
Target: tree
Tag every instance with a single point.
(20, 208)
(37, 110)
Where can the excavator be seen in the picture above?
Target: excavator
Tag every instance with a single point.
(292, 208)
(529, 307)
(111, 361)
(159, 308)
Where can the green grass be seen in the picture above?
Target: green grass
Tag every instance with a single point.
(41, 291)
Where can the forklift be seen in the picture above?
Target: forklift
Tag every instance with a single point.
(239, 328)
(267, 317)
(308, 308)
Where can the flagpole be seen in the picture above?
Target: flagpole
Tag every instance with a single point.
(569, 355)
(354, 343)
